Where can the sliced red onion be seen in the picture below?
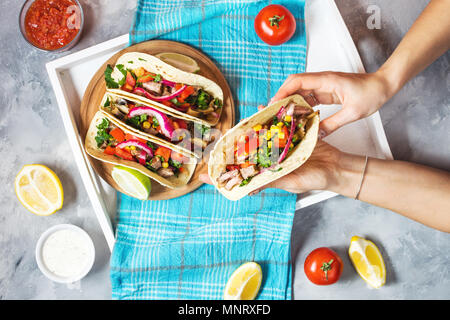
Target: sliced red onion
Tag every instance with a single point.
(168, 83)
(164, 122)
(141, 91)
(280, 112)
(138, 144)
(288, 143)
(142, 157)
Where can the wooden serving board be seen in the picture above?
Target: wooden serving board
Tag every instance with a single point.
(97, 88)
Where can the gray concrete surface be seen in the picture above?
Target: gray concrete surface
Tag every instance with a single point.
(416, 121)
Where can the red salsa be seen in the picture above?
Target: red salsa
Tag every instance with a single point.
(52, 24)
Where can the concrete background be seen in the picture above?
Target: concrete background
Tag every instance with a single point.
(416, 121)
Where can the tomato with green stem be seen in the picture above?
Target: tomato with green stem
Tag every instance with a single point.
(275, 24)
(323, 266)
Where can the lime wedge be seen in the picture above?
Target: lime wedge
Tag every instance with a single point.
(179, 61)
(132, 182)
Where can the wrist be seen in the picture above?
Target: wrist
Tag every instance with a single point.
(347, 175)
(389, 80)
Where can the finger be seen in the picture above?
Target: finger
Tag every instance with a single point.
(334, 122)
(300, 83)
(260, 107)
(204, 177)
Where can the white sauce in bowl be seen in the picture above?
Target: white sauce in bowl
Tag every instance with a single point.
(65, 253)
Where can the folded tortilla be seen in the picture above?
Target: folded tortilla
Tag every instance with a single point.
(295, 158)
(134, 60)
(147, 136)
(173, 182)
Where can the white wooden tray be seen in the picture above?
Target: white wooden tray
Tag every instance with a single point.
(330, 47)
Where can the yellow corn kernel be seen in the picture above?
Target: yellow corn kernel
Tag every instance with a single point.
(268, 135)
(274, 129)
(165, 164)
(287, 118)
(132, 148)
(291, 145)
(127, 148)
(269, 144)
(257, 127)
(146, 124)
(280, 124)
(281, 135)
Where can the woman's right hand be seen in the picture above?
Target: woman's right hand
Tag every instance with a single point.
(360, 94)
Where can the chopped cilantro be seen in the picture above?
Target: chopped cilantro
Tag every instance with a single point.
(107, 103)
(245, 181)
(157, 78)
(102, 136)
(203, 99)
(121, 68)
(276, 170)
(110, 83)
(175, 163)
(141, 59)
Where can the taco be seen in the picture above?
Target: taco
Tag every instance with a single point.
(110, 143)
(264, 147)
(156, 124)
(146, 78)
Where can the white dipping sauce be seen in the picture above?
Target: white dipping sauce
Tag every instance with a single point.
(66, 253)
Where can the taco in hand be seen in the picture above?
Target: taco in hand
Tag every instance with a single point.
(264, 147)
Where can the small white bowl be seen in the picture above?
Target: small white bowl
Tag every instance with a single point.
(44, 269)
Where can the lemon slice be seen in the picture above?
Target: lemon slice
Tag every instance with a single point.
(244, 283)
(39, 189)
(368, 261)
(133, 182)
(179, 61)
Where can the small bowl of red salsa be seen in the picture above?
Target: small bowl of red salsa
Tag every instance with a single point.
(51, 25)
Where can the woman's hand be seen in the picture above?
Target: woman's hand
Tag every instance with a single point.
(360, 94)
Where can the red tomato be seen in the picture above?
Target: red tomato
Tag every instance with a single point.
(131, 137)
(124, 154)
(130, 79)
(181, 123)
(323, 266)
(117, 134)
(274, 24)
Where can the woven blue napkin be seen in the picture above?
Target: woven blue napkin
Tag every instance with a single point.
(187, 248)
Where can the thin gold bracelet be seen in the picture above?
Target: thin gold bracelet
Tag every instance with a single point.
(362, 178)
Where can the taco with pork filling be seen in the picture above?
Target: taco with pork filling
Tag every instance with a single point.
(157, 125)
(148, 79)
(111, 143)
(268, 145)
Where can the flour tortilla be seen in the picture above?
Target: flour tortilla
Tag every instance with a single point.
(147, 136)
(92, 149)
(134, 60)
(296, 157)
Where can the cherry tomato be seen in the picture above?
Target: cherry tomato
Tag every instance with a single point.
(323, 266)
(274, 24)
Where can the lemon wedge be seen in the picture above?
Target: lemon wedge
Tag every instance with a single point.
(134, 183)
(368, 261)
(244, 283)
(39, 189)
(179, 61)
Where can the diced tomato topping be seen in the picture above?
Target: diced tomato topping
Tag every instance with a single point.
(163, 152)
(232, 167)
(146, 78)
(281, 143)
(178, 86)
(122, 153)
(117, 134)
(127, 87)
(186, 93)
(130, 79)
(131, 137)
(109, 150)
(181, 123)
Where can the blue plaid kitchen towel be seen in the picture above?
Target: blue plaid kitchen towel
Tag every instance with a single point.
(187, 248)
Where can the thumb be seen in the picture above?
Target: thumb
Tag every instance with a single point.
(337, 120)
